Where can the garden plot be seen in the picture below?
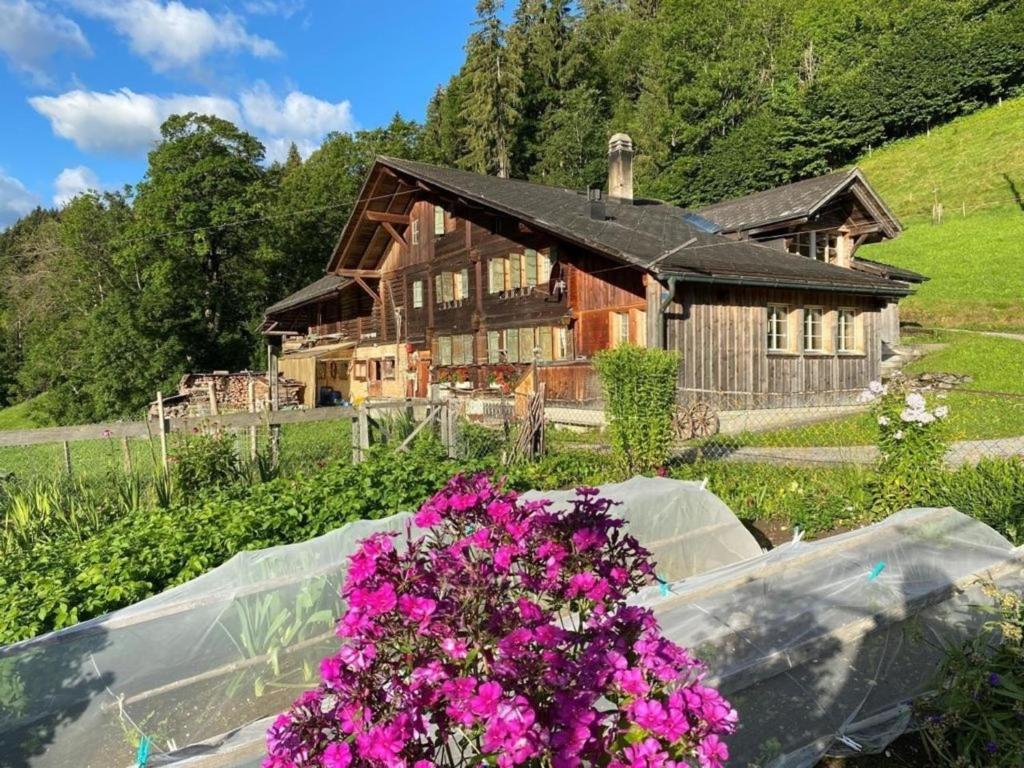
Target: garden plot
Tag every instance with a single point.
(242, 641)
(818, 646)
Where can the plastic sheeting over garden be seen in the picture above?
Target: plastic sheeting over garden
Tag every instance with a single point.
(240, 642)
(819, 645)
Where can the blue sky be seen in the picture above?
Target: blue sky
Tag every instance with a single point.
(84, 84)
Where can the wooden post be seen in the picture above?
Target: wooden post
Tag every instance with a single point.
(67, 458)
(357, 454)
(126, 455)
(275, 403)
(162, 427)
(211, 392)
(253, 443)
(364, 430)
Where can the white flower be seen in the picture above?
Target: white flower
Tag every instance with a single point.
(884, 421)
(926, 417)
(898, 434)
(876, 388)
(915, 401)
(865, 397)
(942, 412)
(909, 415)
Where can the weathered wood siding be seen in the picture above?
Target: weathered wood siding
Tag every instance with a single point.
(721, 334)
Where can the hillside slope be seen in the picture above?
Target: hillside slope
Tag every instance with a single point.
(974, 166)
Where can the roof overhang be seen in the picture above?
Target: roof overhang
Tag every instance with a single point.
(894, 290)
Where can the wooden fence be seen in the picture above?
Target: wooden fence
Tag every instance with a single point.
(440, 412)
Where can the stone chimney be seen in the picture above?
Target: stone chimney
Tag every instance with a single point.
(620, 167)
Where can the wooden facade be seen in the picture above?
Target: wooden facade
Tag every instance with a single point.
(722, 336)
(441, 289)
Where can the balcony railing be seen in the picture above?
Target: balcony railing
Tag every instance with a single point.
(354, 329)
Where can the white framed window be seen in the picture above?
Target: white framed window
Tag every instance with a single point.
(814, 329)
(846, 330)
(778, 328)
(417, 294)
(438, 220)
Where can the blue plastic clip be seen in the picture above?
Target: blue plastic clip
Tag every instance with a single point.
(662, 585)
(879, 567)
(142, 754)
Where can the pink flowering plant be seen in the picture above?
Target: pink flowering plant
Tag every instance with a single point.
(502, 637)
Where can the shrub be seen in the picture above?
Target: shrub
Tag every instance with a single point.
(992, 491)
(640, 398)
(502, 636)
(563, 469)
(204, 462)
(977, 716)
(912, 443)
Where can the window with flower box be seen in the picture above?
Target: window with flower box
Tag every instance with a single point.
(517, 345)
(455, 350)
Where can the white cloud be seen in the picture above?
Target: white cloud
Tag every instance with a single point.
(72, 182)
(125, 122)
(285, 8)
(296, 115)
(277, 148)
(30, 34)
(15, 200)
(122, 122)
(174, 36)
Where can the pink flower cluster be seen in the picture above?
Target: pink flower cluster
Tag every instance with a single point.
(502, 636)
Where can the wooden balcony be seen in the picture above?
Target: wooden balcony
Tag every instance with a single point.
(355, 329)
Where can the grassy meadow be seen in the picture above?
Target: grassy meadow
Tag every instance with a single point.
(973, 166)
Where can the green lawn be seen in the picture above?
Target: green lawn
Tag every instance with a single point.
(25, 415)
(304, 447)
(975, 268)
(977, 160)
(972, 165)
(997, 367)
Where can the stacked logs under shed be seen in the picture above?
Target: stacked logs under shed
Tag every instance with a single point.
(230, 391)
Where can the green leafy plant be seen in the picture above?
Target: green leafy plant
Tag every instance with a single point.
(262, 626)
(206, 461)
(976, 717)
(640, 397)
(912, 442)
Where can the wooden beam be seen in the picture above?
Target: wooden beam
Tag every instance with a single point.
(389, 227)
(368, 289)
(393, 218)
(375, 273)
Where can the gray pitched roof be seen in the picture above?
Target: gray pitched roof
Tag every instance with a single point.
(790, 201)
(651, 235)
(318, 289)
(888, 270)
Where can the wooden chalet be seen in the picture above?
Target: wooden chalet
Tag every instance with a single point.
(443, 276)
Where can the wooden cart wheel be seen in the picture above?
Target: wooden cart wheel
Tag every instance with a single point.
(703, 420)
(682, 423)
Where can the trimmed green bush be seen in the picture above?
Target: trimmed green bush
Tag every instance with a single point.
(640, 398)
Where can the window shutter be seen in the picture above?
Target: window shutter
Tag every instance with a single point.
(543, 269)
(512, 344)
(493, 345)
(544, 342)
(515, 266)
(464, 287)
(526, 344)
(531, 266)
(438, 289)
(438, 220)
(495, 281)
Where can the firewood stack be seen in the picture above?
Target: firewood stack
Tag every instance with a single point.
(231, 391)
